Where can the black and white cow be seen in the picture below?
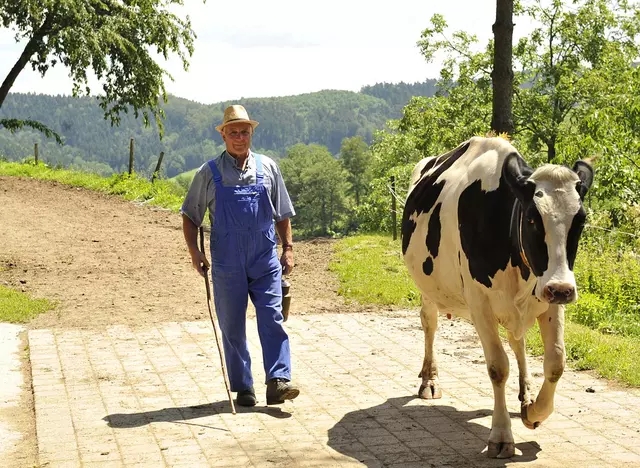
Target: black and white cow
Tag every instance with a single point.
(487, 238)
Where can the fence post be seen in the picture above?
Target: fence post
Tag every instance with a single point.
(393, 208)
(35, 152)
(155, 173)
(131, 156)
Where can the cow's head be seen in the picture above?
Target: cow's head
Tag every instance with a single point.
(549, 222)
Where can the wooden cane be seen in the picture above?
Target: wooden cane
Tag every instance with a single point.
(213, 322)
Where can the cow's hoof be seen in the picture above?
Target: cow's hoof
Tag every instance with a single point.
(431, 391)
(501, 449)
(525, 420)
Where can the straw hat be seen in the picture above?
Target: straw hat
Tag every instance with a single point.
(233, 114)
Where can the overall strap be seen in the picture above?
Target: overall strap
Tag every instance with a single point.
(259, 173)
(217, 177)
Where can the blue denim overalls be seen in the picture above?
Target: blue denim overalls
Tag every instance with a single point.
(245, 262)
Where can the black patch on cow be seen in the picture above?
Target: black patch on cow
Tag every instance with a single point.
(484, 219)
(428, 166)
(406, 231)
(426, 192)
(433, 234)
(532, 238)
(574, 236)
(527, 229)
(427, 266)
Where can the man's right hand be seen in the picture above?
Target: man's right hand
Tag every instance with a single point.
(198, 260)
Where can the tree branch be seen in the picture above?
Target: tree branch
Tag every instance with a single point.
(13, 125)
(27, 53)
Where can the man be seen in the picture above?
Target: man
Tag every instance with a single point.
(244, 193)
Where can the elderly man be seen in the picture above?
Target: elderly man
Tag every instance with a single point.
(245, 192)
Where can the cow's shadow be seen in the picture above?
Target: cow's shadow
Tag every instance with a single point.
(397, 433)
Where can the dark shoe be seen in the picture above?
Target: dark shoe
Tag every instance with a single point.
(279, 390)
(246, 397)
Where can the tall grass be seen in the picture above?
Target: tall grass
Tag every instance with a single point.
(371, 271)
(608, 277)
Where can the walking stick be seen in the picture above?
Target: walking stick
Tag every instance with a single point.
(215, 328)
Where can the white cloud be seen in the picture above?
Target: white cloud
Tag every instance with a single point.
(257, 48)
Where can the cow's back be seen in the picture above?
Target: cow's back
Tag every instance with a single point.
(456, 223)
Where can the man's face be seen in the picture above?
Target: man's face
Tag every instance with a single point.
(237, 138)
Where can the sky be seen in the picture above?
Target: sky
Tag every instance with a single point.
(263, 48)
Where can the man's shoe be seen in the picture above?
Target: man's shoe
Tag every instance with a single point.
(279, 390)
(246, 397)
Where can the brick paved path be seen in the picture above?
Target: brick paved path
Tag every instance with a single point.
(155, 397)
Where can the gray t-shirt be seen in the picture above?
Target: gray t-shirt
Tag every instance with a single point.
(202, 193)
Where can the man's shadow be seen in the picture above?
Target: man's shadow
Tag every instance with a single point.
(419, 435)
(181, 415)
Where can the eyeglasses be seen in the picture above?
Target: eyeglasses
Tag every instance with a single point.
(234, 135)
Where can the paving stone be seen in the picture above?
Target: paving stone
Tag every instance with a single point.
(156, 397)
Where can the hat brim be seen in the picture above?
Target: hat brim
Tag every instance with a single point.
(253, 123)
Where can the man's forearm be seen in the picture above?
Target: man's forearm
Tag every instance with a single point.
(190, 232)
(284, 232)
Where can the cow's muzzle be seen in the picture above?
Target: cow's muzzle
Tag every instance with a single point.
(559, 293)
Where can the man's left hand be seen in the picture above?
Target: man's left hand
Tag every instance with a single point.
(287, 261)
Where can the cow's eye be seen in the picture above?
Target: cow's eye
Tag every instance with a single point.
(531, 221)
(539, 194)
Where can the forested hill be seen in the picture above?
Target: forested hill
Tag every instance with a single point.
(91, 143)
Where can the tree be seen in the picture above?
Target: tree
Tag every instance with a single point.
(317, 185)
(355, 159)
(577, 94)
(113, 38)
(558, 60)
(502, 75)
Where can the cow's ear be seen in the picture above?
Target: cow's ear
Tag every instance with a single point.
(516, 172)
(585, 172)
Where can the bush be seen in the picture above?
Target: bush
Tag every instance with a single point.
(608, 277)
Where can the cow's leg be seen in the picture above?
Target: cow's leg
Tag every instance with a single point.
(524, 377)
(430, 387)
(501, 443)
(552, 330)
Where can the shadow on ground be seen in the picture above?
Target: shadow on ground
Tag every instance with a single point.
(186, 413)
(403, 432)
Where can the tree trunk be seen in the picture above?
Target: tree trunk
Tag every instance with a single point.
(551, 150)
(502, 75)
(331, 212)
(323, 216)
(30, 49)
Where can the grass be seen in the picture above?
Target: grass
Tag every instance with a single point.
(371, 271)
(16, 307)
(611, 356)
(163, 193)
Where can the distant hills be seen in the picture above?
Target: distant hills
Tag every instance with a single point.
(91, 143)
